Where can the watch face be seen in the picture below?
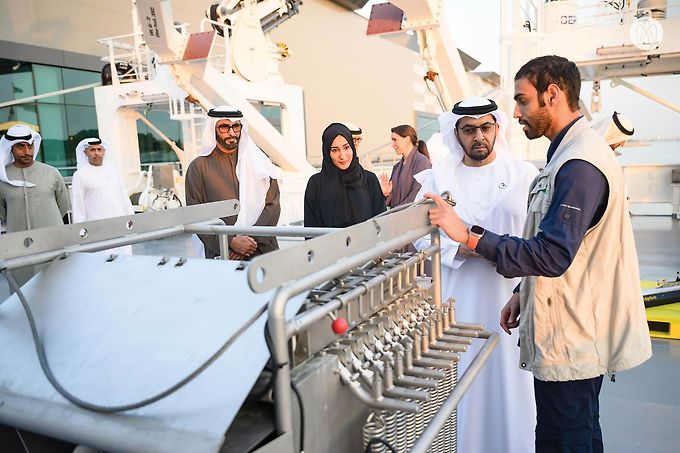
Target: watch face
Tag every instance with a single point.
(476, 229)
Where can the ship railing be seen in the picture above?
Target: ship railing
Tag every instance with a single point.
(599, 14)
(129, 50)
(382, 158)
(220, 51)
(194, 115)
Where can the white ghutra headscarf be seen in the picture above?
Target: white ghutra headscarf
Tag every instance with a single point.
(17, 134)
(253, 167)
(81, 157)
(475, 107)
(614, 129)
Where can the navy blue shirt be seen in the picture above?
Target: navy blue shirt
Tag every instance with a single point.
(578, 202)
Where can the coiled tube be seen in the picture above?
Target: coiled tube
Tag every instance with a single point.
(390, 420)
(374, 428)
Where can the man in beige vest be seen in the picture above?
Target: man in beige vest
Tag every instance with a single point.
(581, 309)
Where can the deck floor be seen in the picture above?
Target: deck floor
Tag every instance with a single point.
(640, 412)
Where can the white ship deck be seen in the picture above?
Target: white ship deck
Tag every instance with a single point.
(640, 412)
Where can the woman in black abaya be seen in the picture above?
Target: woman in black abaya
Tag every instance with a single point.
(342, 193)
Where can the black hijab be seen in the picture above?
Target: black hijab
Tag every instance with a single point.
(344, 195)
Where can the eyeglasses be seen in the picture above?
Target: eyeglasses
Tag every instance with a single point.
(224, 127)
(471, 130)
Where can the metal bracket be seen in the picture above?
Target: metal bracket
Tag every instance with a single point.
(275, 269)
(41, 240)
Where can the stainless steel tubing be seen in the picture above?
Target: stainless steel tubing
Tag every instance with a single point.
(283, 231)
(410, 430)
(443, 345)
(403, 364)
(374, 428)
(466, 326)
(308, 318)
(418, 382)
(398, 391)
(452, 333)
(403, 393)
(435, 238)
(442, 439)
(420, 419)
(450, 428)
(427, 362)
(425, 440)
(365, 397)
(281, 331)
(434, 406)
(280, 358)
(453, 418)
(454, 339)
(28, 260)
(441, 355)
(224, 246)
(390, 418)
(401, 431)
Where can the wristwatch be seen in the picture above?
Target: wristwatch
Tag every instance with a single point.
(475, 233)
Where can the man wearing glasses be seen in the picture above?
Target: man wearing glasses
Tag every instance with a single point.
(356, 134)
(230, 166)
(490, 187)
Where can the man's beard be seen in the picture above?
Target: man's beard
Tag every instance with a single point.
(24, 159)
(537, 123)
(480, 153)
(225, 144)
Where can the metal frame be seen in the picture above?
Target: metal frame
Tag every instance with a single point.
(298, 269)
(292, 270)
(25, 248)
(437, 423)
(616, 81)
(301, 268)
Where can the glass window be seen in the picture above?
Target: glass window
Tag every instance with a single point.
(82, 123)
(52, 119)
(75, 78)
(152, 148)
(16, 80)
(270, 111)
(21, 113)
(48, 79)
(62, 120)
(426, 125)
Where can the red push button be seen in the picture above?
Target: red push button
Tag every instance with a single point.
(340, 326)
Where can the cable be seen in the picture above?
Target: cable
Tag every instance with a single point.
(275, 369)
(302, 415)
(437, 95)
(40, 350)
(377, 440)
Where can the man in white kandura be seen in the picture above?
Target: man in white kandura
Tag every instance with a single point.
(615, 129)
(490, 187)
(97, 191)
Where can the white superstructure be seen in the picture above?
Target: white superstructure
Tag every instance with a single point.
(609, 42)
